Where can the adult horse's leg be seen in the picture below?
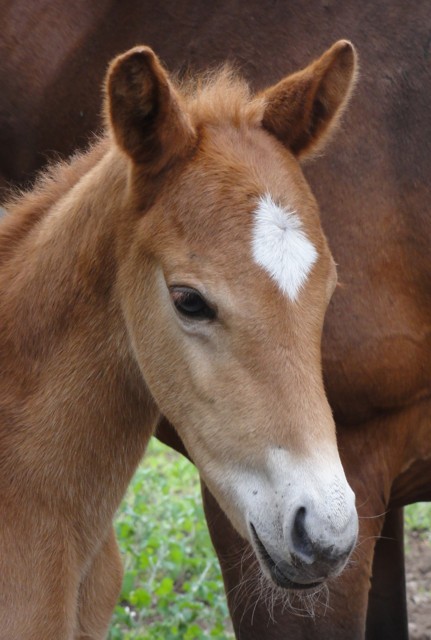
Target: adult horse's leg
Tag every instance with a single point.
(387, 607)
(387, 615)
(99, 591)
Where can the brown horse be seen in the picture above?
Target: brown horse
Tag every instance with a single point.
(178, 268)
(374, 193)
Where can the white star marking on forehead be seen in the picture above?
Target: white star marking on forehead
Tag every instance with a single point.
(281, 247)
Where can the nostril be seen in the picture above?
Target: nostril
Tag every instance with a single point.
(300, 539)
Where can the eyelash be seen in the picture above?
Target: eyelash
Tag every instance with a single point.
(191, 304)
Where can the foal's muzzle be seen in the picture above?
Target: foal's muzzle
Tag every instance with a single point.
(310, 558)
(281, 572)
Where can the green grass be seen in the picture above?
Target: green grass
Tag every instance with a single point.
(417, 517)
(172, 586)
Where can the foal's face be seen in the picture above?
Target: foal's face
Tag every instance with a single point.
(232, 276)
(237, 282)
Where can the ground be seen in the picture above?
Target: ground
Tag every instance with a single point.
(418, 578)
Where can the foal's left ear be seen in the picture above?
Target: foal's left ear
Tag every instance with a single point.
(145, 112)
(304, 107)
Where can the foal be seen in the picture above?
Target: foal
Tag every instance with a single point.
(178, 268)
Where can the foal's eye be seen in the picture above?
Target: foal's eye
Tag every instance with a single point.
(191, 304)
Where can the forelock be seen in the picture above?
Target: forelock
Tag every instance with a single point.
(221, 96)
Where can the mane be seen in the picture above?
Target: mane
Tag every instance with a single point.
(219, 96)
(26, 208)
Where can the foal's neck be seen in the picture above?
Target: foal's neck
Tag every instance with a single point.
(61, 268)
(80, 396)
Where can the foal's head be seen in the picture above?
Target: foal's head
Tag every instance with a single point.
(225, 276)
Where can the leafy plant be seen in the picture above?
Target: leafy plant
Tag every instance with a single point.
(172, 587)
(417, 517)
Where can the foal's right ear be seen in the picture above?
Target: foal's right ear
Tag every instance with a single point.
(145, 112)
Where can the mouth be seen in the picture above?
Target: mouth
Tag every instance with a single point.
(280, 577)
